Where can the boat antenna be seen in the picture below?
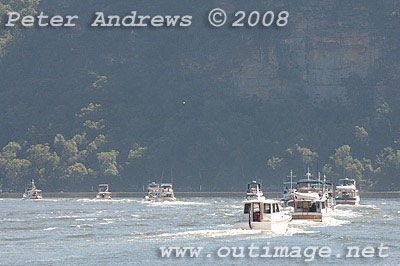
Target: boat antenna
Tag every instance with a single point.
(291, 181)
(308, 173)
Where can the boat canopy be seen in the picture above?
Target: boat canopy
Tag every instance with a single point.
(309, 181)
(153, 184)
(103, 188)
(269, 201)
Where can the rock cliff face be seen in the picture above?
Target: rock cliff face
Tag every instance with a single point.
(324, 43)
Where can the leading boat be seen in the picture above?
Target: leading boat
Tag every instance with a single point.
(31, 192)
(347, 193)
(103, 192)
(262, 214)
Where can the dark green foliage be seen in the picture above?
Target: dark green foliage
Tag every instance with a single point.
(201, 106)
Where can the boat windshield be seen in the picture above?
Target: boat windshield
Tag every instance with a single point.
(253, 187)
(307, 206)
(309, 185)
(347, 182)
(103, 188)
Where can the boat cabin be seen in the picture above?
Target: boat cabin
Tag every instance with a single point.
(260, 210)
(310, 206)
(310, 209)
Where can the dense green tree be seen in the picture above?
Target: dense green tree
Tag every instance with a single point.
(108, 163)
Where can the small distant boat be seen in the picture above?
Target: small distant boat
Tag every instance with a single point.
(152, 191)
(166, 193)
(31, 192)
(103, 192)
(347, 193)
(262, 214)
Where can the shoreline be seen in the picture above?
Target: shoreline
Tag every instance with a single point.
(186, 194)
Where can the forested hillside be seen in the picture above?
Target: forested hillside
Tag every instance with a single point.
(200, 105)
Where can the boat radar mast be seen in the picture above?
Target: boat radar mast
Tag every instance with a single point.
(308, 174)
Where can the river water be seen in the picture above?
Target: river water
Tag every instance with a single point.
(131, 232)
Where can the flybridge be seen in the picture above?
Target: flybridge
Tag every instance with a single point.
(100, 20)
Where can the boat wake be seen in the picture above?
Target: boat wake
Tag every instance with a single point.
(363, 206)
(172, 203)
(211, 233)
(326, 221)
(50, 229)
(106, 200)
(343, 213)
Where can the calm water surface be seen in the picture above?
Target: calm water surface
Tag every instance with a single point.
(131, 232)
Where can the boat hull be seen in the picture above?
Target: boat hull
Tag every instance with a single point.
(307, 216)
(103, 196)
(347, 201)
(32, 198)
(267, 226)
(167, 199)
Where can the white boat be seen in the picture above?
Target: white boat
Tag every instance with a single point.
(31, 192)
(347, 193)
(307, 209)
(103, 192)
(312, 200)
(262, 214)
(166, 193)
(152, 191)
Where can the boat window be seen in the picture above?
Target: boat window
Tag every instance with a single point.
(256, 207)
(247, 207)
(277, 207)
(267, 208)
(323, 205)
(273, 208)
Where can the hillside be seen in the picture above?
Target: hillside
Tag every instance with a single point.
(199, 105)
